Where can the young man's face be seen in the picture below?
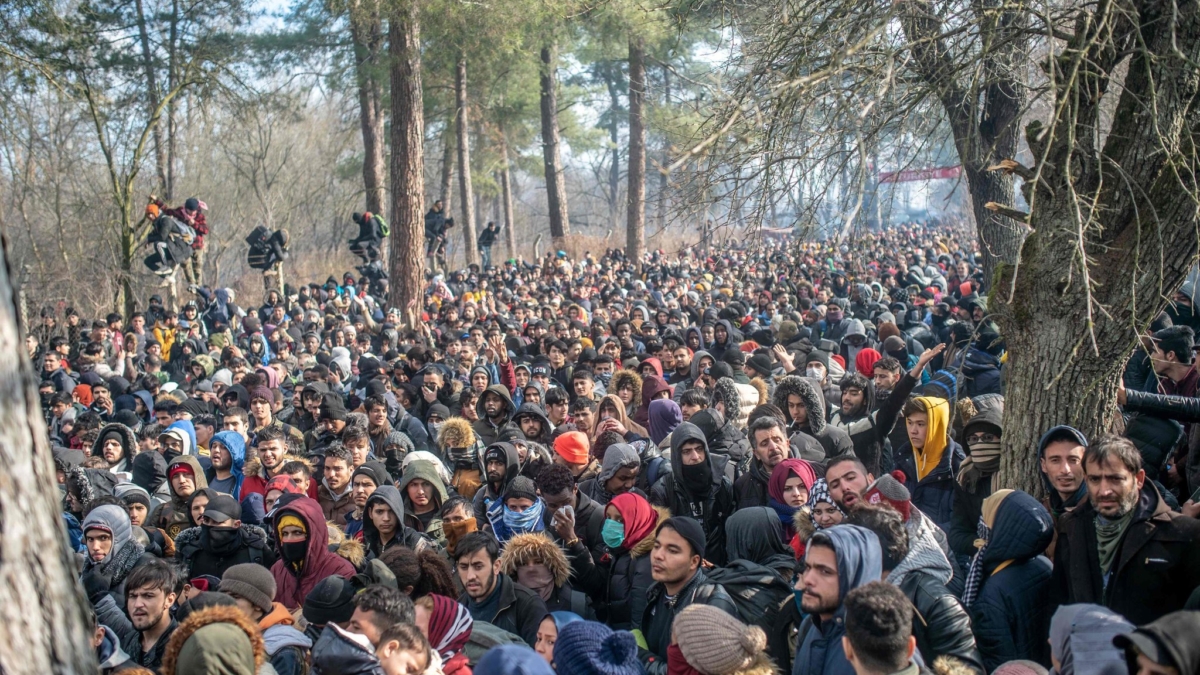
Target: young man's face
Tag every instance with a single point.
(261, 409)
(337, 473)
(359, 448)
(477, 573)
(99, 544)
(1062, 462)
(918, 427)
(885, 380)
(819, 581)
(148, 606)
(671, 560)
(377, 415)
(272, 453)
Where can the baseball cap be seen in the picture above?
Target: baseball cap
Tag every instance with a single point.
(222, 508)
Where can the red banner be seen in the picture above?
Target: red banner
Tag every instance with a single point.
(920, 174)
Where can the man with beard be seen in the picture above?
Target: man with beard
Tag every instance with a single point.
(768, 440)
(491, 596)
(495, 409)
(150, 593)
(697, 487)
(1125, 548)
(533, 423)
(837, 561)
(221, 541)
(501, 464)
(275, 448)
(803, 404)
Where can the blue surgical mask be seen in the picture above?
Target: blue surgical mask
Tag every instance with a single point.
(613, 533)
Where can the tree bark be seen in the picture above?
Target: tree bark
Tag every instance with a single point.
(465, 191)
(556, 186)
(635, 244)
(612, 73)
(407, 261)
(152, 97)
(42, 619)
(366, 33)
(661, 212)
(445, 187)
(510, 236)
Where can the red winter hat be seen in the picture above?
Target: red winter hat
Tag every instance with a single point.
(573, 447)
(889, 489)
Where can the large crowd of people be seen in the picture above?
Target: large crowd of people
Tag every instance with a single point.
(772, 458)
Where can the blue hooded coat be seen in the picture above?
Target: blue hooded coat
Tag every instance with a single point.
(236, 445)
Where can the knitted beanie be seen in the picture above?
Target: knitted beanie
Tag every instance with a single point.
(889, 489)
(714, 642)
(521, 487)
(330, 601)
(252, 582)
(591, 648)
(573, 447)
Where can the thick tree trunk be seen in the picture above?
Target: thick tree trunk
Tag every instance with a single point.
(510, 236)
(465, 191)
(406, 265)
(635, 244)
(661, 212)
(152, 96)
(556, 186)
(42, 619)
(366, 32)
(445, 187)
(611, 76)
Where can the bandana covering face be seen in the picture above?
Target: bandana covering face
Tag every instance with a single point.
(537, 578)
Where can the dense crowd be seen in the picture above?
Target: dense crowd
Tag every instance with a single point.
(781, 457)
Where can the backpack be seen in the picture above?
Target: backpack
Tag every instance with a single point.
(383, 226)
(181, 230)
(484, 636)
(758, 593)
(258, 237)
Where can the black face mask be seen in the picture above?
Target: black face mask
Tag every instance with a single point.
(294, 551)
(901, 356)
(697, 478)
(938, 320)
(220, 537)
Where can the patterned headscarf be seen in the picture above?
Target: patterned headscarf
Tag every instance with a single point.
(820, 493)
(450, 626)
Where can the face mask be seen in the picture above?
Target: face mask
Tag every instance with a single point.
(613, 533)
(456, 531)
(815, 373)
(220, 537)
(833, 317)
(604, 378)
(434, 428)
(524, 521)
(698, 478)
(293, 551)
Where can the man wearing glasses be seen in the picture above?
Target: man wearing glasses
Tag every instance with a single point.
(982, 434)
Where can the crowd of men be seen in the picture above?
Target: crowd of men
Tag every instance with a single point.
(774, 458)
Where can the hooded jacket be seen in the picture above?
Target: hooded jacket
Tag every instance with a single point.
(710, 509)
(726, 441)
(1157, 561)
(1010, 616)
(530, 547)
(403, 536)
(933, 494)
(634, 429)
(627, 378)
(173, 517)
(859, 561)
(651, 387)
(215, 641)
(968, 506)
(869, 430)
(486, 496)
(200, 556)
(428, 473)
(129, 445)
(236, 446)
(483, 427)
(534, 410)
(834, 442)
(293, 584)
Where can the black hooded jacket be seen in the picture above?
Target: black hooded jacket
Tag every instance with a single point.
(200, 556)
(487, 432)
(833, 441)
(486, 495)
(403, 536)
(710, 509)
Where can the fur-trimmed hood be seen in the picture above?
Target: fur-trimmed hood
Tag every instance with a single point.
(211, 644)
(725, 391)
(456, 433)
(761, 386)
(529, 547)
(802, 521)
(759, 665)
(126, 437)
(626, 377)
(809, 391)
(349, 548)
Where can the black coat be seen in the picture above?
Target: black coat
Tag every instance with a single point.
(940, 624)
(710, 510)
(1157, 566)
(660, 614)
(1010, 614)
(933, 494)
(200, 557)
(520, 610)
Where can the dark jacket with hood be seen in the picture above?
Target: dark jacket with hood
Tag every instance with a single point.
(195, 550)
(725, 439)
(1156, 566)
(485, 495)
(129, 445)
(869, 429)
(710, 507)
(403, 536)
(834, 442)
(518, 610)
(968, 505)
(732, 340)
(293, 584)
(1010, 615)
(483, 427)
(933, 494)
(426, 471)
(534, 410)
(173, 517)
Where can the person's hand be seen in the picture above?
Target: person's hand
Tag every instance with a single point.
(924, 359)
(564, 524)
(784, 358)
(496, 345)
(1191, 509)
(1121, 396)
(430, 395)
(614, 424)
(95, 585)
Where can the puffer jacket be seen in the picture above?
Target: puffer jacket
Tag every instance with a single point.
(1010, 615)
(834, 441)
(710, 510)
(933, 494)
(981, 373)
(199, 556)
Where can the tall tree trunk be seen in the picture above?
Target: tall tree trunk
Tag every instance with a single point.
(42, 619)
(635, 243)
(510, 236)
(465, 192)
(446, 186)
(661, 212)
(152, 97)
(172, 80)
(407, 261)
(366, 32)
(612, 73)
(556, 186)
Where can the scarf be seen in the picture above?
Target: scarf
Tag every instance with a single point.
(1108, 536)
(640, 518)
(450, 625)
(984, 460)
(819, 493)
(506, 522)
(928, 458)
(975, 572)
(783, 472)
(537, 578)
(456, 531)
(677, 664)
(117, 564)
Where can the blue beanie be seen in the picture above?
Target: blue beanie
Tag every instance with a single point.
(512, 660)
(591, 648)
